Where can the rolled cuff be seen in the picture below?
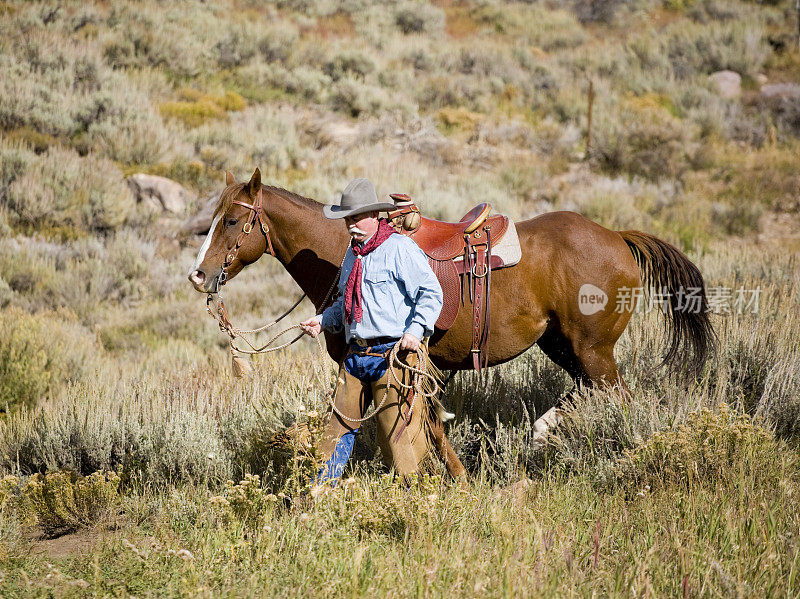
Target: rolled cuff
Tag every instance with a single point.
(417, 330)
(329, 321)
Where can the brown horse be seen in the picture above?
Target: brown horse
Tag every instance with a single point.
(569, 294)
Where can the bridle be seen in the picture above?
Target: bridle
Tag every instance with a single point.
(256, 210)
(218, 312)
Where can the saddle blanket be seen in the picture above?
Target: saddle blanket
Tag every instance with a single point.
(507, 252)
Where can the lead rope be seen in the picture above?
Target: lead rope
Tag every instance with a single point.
(220, 314)
(395, 365)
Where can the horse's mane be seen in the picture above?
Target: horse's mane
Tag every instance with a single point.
(293, 197)
(232, 192)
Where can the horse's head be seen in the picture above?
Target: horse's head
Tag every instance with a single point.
(237, 237)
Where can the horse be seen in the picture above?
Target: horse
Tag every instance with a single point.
(567, 261)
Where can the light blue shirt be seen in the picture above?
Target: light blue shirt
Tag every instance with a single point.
(399, 293)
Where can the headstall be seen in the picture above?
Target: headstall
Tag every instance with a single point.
(256, 209)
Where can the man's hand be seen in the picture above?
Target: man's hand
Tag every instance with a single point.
(409, 343)
(312, 326)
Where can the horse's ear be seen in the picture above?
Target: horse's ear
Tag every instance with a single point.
(255, 183)
(229, 180)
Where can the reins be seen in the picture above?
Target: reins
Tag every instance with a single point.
(220, 314)
(416, 387)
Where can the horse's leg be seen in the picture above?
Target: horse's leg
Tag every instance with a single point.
(454, 466)
(599, 369)
(559, 349)
(589, 361)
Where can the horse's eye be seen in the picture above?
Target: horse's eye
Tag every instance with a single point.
(232, 222)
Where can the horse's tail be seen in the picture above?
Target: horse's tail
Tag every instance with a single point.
(667, 270)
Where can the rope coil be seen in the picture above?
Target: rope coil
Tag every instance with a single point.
(416, 385)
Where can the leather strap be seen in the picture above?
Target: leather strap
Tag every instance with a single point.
(372, 354)
(256, 210)
(487, 311)
(409, 410)
(480, 272)
(478, 316)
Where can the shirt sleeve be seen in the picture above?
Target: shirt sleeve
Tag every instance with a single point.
(422, 286)
(333, 316)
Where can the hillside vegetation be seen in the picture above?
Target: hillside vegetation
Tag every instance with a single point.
(122, 433)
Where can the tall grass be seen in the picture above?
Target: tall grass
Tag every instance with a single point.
(159, 435)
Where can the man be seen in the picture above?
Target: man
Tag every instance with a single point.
(387, 293)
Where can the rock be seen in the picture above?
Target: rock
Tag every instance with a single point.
(159, 193)
(329, 132)
(781, 90)
(761, 79)
(200, 223)
(729, 83)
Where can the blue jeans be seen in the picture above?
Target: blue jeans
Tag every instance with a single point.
(366, 369)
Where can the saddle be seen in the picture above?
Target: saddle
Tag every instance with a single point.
(463, 256)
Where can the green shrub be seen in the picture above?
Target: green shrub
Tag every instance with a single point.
(27, 137)
(175, 447)
(418, 17)
(712, 448)
(129, 130)
(236, 48)
(193, 113)
(6, 293)
(779, 404)
(83, 274)
(14, 161)
(196, 107)
(63, 189)
(8, 490)
(705, 11)
(550, 29)
(597, 427)
(352, 97)
(182, 44)
(351, 63)
(247, 500)
(439, 92)
(263, 82)
(261, 135)
(455, 119)
(742, 218)
(62, 502)
(598, 11)
(39, 354)
(785, 109)
(646, 141)
(694, 49)
(276, 44)
(768, 177)
(64, 92)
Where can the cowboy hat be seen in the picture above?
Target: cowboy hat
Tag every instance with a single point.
(359, 196)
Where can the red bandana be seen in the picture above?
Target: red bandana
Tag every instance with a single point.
(352, 293)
